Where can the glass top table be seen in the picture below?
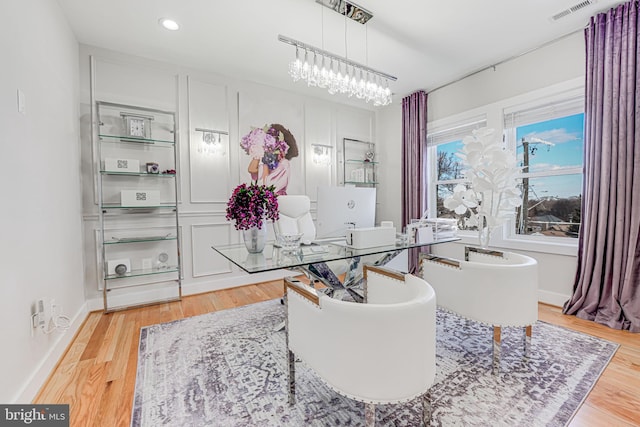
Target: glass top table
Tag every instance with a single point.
(312, 261)
(274, 258)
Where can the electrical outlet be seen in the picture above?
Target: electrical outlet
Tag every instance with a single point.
(37, 315)
(40, 308)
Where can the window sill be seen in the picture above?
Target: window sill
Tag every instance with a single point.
(523, 244)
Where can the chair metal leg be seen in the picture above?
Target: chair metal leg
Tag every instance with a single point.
(496, 349)
(291, 358)
(365, 290)
(369, 414)
(292, 378)
(426, 409)
(527, 340)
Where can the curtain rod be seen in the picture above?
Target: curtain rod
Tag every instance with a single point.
(473, 73)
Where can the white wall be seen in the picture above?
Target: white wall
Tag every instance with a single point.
(389, 137)
(207, 100)
(41, 252)
(545, 68)
(550, 65)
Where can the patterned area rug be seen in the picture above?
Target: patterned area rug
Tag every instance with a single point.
(228, 368)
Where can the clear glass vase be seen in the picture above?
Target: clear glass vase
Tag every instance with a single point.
(484, 233)
(255, 238)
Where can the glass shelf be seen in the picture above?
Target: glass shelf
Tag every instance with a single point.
(145, 272)
(158, 175)
(362, 182)
(134, 140)
(360, 162)
(120, 240)
(118, 206)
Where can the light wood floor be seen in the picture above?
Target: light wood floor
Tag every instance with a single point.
(97, 374)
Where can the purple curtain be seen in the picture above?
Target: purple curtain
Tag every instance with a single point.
(414, 161)
(607, 287)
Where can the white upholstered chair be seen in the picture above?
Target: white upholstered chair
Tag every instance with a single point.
(382, 351)
(492, 287)
(295, 217)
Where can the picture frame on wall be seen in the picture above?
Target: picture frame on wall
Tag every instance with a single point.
(271, 148)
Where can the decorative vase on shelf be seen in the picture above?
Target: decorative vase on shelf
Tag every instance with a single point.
(254, 239)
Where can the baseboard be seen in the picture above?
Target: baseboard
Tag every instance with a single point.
(41, 373)
(234, 282)
(200, 287)
(552, 298)
(547, 297)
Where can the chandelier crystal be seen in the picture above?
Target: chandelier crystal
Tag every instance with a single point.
(338, 74)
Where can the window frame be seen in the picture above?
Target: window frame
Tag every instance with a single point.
(506, 236)
(456, 130)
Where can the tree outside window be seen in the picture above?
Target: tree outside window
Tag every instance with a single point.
(449, 170)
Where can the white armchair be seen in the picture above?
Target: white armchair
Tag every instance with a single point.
(496, 288)
(295, 217)
(390, 339)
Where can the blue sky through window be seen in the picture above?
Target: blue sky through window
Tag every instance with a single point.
(567, 136)
(554, 145)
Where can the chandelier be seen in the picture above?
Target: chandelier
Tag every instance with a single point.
(338, 74)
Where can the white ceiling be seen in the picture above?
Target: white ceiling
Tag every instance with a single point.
(424, 43)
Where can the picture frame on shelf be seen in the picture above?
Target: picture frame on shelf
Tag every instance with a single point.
(153, 167)
(137, 126)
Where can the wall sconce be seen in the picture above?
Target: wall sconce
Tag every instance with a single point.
(211, 141)
(321, 154)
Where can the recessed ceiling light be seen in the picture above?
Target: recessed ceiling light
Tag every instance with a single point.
(169, 24)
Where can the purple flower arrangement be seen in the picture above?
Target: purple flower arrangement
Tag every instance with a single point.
(251, 204)
(270, 140)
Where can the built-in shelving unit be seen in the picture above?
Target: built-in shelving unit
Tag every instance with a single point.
(358, 163)
(139, 240)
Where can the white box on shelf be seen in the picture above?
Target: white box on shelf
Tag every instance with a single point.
(424, 234)
(139, 197)
(121, 165)
(370, 237)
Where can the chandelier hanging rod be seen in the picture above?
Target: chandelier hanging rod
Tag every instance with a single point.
(327, 54)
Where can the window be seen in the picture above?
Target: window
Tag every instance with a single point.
(447, 168)
(549, 143)
(549, 124)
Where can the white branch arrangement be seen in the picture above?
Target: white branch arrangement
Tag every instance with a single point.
(493, 193)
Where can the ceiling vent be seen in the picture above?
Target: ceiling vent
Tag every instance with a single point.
(572, 9)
